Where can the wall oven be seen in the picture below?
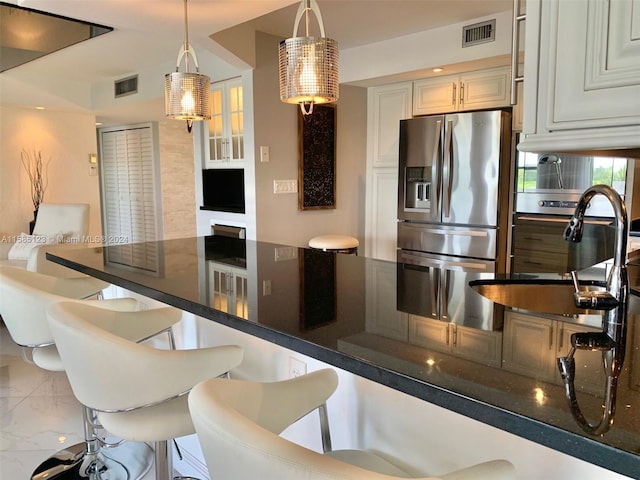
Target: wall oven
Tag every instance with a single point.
(552, 183)
(547, 189)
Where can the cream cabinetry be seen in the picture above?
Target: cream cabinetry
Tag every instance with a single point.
(465, 342)
(477, 90)
(531, 345)
(582, 75)
(223, 135)
(387, 105)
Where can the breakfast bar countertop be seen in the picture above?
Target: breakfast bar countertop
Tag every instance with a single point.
(341, 309)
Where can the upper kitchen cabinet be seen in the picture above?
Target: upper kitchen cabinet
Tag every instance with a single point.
(223, 135)
(387, 105)
(582, 75)
(469, 91)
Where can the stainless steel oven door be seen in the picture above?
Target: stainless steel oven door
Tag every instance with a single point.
(436, 286)
(552, 184)
(561, 202)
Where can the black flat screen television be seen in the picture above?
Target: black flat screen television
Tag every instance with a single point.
(223, 189)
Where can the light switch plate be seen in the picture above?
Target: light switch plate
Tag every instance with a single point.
(285, 253)
(264, 154)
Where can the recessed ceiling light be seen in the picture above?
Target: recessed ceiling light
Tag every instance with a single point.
(39, 108)
(437, 70)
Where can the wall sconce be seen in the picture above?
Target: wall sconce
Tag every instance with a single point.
(186, 94)
(308, 66)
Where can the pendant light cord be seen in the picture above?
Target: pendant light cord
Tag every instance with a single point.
(187, 47)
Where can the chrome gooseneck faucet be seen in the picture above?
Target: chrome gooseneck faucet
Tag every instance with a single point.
(611, 342)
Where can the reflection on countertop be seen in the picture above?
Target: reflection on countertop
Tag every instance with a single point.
(342, 310)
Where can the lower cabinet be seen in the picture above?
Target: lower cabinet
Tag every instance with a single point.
(532, 344)
(465, 342)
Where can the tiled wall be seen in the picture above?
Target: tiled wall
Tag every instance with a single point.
(176, 173)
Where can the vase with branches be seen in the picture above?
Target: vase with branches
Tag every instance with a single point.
(37, 171)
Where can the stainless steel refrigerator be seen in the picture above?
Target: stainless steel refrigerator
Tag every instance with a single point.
(453, 207)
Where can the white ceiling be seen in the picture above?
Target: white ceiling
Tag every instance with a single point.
(149, 32)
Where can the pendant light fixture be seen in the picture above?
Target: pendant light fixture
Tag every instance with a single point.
(308, 66)
(186, 94)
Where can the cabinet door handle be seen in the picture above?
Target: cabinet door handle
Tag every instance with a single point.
(448, 334)
(453, 98)
(455, 335)
(551, 338)
(561, 338)
(531, 262)
(462, 93)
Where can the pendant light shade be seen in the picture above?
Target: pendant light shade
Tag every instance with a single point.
(186, 94)
(308, 66)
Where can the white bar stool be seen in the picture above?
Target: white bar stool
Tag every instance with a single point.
(25, 297)
(335, 243)
(239, 425)
(138, 392)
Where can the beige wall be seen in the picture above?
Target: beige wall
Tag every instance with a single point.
(65, 138)
(176, 178)
(276, 126)
(68, 139)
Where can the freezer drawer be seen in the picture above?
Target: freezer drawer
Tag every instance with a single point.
(448, 240)
(437, 287)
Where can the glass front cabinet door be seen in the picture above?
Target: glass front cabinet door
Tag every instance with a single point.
(224, 138)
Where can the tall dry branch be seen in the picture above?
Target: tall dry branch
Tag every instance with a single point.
(37, 170)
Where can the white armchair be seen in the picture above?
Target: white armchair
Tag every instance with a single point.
(57, 223)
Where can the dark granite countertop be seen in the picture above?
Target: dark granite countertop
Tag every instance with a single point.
(341, 309)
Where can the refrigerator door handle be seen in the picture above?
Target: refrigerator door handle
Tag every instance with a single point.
(435, 293)
(449, 263)
(436, 169)
(448, 157)
(445, 279)
(461, 233)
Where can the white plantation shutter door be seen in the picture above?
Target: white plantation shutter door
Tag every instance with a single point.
(130, 207)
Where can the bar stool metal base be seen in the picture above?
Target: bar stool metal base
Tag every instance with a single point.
(129, 461)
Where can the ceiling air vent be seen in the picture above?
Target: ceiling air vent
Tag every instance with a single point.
(479, 33)
(126, 86)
